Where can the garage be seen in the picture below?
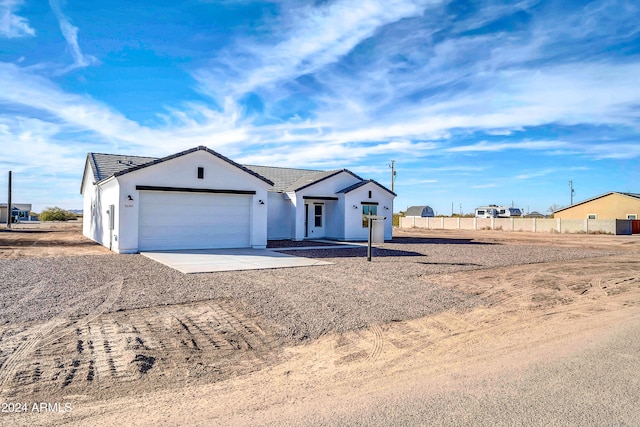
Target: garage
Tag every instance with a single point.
(177, 220)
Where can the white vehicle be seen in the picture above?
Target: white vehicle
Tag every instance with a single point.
(507, 212)
(487, 211)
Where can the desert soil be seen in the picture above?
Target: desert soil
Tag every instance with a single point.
(441, 328)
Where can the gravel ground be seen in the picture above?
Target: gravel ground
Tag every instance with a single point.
(272, 244)
(300, 303)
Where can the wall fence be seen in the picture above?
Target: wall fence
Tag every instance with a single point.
(534, 225)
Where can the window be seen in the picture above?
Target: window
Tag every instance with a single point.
(592, 216)
(368, 210)
(632, 216)
(200, 173)
(318, 215)
(369, 194)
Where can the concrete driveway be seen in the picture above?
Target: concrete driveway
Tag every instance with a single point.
(212, 260)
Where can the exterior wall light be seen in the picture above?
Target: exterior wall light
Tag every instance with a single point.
(129, 197)
(261, 202)
(355, 207)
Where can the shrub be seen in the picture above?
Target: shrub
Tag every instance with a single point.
(56, 214)
(396, 219)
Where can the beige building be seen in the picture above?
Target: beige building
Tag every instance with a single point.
(611, 205)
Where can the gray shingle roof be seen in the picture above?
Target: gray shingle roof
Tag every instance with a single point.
(361, 183)
(106, 165)
(287, 179)
(283, 179)
(415, 211)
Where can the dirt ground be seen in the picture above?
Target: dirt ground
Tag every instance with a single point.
(214, 364)
(46, 240)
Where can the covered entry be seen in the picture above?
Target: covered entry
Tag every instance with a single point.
(193, 220)
(320, 217)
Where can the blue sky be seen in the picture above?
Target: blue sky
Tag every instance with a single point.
(478, 102)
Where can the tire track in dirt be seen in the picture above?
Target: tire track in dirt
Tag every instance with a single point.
(10, 366)
(378, 341)
(41, 336)
(158, 344)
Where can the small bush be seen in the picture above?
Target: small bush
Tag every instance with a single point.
(396, 219)
(56, 214)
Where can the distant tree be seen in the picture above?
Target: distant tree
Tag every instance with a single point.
(55, 214)
(553, 208)
(396, 218)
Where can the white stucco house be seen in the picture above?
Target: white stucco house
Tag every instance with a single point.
(199, 199)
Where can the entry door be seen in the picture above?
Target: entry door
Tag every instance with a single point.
(316, 219)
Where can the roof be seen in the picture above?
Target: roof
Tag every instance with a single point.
(361, 183)
(282, 179)
(415, 210)
(16, 205)
(107, 165)
(287, 179)
(634, 195)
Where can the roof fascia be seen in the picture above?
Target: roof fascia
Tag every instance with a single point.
(586, 201)
(189, 151)
(338, 172)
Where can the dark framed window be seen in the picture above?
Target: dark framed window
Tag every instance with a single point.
(368, 210)
(317, 215)
(200, 173)
(369, 194)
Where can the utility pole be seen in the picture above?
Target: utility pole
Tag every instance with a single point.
(393, 174)
(572, 191)
(9, 204)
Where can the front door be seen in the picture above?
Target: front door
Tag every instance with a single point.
(316, 221)
(306, 221)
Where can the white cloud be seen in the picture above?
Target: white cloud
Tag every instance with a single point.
(318, 36)
(79, 113)
(12, 25)
(484, 146)
(70, 34)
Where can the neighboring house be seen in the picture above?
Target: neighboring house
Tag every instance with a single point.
(18, 210)
(534, 214)
(200, 199)
(420, 211)
(611, 205)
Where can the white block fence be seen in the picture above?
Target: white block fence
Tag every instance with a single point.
(534, 225)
